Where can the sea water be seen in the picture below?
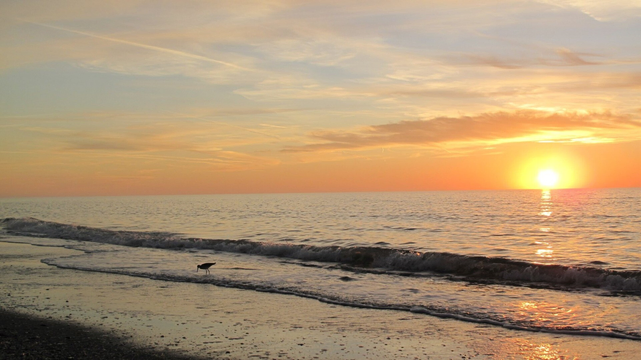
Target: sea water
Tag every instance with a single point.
(566, 261)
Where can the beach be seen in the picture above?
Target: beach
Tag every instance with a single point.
(28, 337)
(169, 319)
(320, 179)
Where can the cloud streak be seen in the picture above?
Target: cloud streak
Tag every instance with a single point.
(559, 57)
(208, 119)
(602, 11)
(498, 127)
(140, 45)
(163, 149)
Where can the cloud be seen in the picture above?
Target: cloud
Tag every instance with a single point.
(161, 148)
(316, 51)
(143, 46)
(571, 58)
(159, 140)
(492, 128)
(603, 81)
(557, 57)
(611, 10)
(114, 140)
(144, 51)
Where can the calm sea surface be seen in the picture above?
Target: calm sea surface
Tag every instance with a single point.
(559, 261)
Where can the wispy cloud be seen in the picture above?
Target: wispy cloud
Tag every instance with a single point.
(612, 10)
(499, 127)
(140, 45)
(210, 119)
(559, 57)
(163, 148)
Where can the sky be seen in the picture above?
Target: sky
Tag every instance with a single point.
(142, 97)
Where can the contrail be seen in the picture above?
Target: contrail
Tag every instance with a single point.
(144, 46)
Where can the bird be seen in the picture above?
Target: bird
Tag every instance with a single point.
(205, 267)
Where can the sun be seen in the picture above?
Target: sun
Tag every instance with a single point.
(548, 178)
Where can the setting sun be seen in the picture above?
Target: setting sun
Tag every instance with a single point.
(548, 178)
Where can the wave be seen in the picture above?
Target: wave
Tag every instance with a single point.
(446, 312)
(360, 259)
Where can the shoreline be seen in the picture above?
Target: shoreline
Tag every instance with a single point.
(187, 320)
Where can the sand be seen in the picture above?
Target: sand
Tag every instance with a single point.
(27, 337)
(166, 319)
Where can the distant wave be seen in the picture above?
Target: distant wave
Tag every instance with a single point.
(370, 259)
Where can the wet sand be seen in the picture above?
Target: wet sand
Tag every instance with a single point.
(166, 319)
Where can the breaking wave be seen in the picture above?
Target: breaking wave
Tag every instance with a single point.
(363, 259)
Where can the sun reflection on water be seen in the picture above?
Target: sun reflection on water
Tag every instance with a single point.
(528, 305)
(545, 253)
(544, 351)
(545, 248)
(544, 314)
(522, 348)
(546, 203)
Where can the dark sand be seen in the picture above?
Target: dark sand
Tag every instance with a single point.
(26, 337)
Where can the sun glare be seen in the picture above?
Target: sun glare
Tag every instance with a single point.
(548, 178)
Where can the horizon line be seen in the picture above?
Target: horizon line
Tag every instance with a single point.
(311, 192)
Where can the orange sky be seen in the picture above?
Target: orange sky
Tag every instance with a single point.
(135, 97)
(516, 166)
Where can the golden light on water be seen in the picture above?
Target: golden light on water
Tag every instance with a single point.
(548, 178)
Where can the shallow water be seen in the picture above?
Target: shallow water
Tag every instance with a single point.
(558, 261)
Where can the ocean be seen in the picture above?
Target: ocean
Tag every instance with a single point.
(556, 261)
